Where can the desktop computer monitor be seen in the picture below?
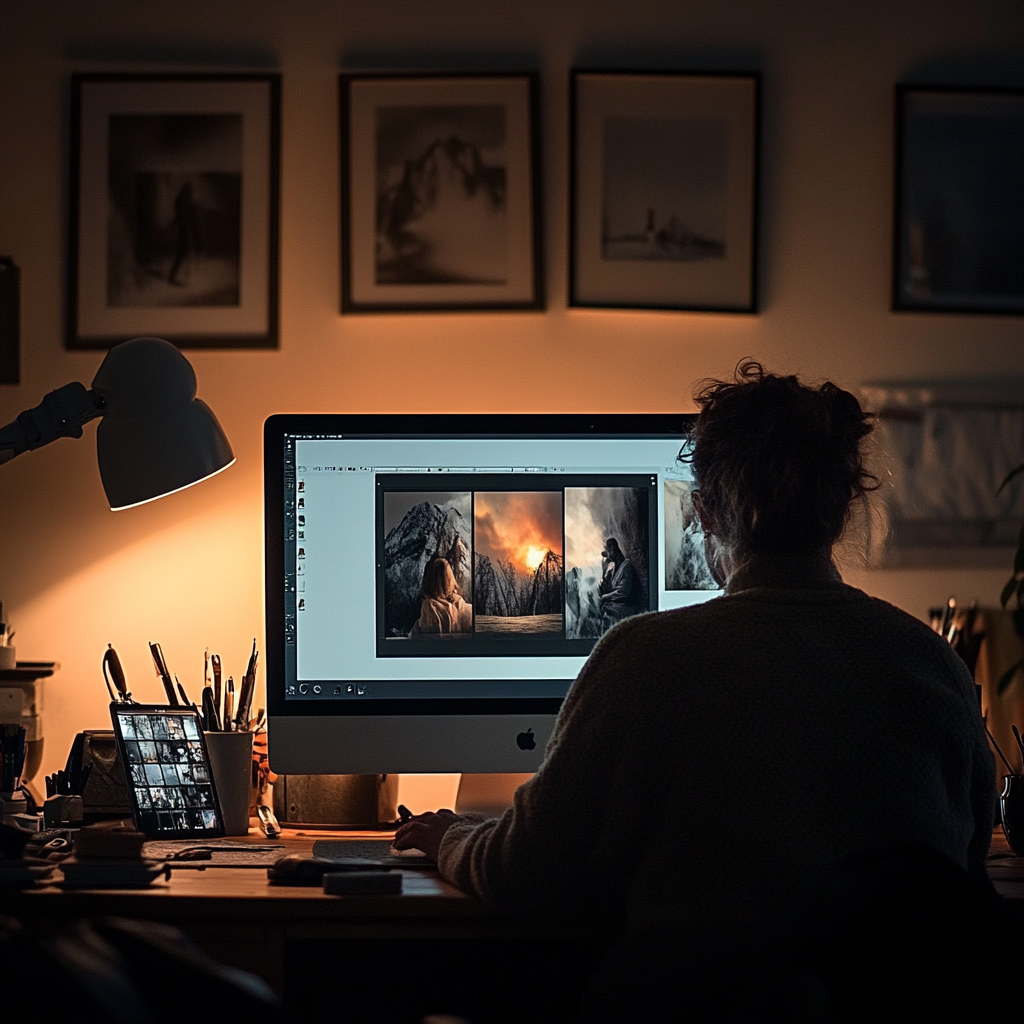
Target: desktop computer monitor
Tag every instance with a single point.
(435, 583)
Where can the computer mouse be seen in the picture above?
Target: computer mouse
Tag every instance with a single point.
(294, 869)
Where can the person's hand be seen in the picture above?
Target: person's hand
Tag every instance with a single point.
(424, 832)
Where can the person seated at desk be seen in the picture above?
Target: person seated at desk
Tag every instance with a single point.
(712, 765)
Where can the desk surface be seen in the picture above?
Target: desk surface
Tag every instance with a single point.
(210, 890)
(292, 936)
(213, 893)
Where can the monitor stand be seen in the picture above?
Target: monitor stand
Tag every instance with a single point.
(488, 794)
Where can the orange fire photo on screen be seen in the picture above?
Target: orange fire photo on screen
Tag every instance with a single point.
(518, 565)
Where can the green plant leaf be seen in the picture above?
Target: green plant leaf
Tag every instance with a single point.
(1009, 476)
(1008, 591)
(1007, 677)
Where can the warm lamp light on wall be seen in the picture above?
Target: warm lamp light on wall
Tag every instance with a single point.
(155, 436)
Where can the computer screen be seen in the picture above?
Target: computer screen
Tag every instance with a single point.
(435, 583)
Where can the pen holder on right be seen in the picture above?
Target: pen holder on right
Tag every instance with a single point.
(1011, 803)
(231, 761)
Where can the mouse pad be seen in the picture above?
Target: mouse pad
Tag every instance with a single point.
(377, 850)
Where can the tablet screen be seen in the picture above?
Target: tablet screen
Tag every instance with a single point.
(167, 770)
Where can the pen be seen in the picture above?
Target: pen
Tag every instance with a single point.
(229, 705)
(251, 667)
(181, 692)
(247, 687)
(165, 676)
(215, 662)
(245, 701)
(947, 615)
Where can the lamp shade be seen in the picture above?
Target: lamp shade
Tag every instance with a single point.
(155, 436)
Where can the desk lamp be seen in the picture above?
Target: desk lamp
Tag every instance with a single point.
(155, 437)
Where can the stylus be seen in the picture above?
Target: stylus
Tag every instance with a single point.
(215, 662)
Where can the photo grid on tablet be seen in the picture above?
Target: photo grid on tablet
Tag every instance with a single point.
(166, 764)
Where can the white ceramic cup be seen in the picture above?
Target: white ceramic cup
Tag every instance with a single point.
(231, 761)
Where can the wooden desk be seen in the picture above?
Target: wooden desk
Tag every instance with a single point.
(326, 954)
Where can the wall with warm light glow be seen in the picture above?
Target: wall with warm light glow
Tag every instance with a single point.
(187, 571)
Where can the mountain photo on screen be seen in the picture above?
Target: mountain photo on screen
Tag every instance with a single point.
(174, 224)
(421, 597)
(441, 195)
(518, 562)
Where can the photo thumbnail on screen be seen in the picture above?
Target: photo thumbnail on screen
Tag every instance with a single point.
(428, 574)
(607, 541)
(518, 561)
(686, 566)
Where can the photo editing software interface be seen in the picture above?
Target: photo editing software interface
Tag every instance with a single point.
(466, 567)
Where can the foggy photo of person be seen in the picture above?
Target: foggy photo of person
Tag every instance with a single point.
(443, 612)
(686, 567)
(175, 215)
(607, 572)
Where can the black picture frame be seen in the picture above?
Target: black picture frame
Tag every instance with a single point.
(173, 226)
(474, 247)
(958, 235)
(664, 190)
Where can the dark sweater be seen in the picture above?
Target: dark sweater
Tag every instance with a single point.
(712, 765)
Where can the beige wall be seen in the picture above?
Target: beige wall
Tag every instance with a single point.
(187, 571)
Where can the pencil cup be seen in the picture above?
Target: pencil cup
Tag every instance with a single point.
(231, 761)
(8, 657)
(1011, 803)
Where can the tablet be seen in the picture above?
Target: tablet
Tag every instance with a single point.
(167, 771)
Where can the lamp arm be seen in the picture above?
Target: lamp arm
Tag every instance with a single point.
(62, 413)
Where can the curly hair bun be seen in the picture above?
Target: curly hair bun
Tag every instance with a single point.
(779, 463)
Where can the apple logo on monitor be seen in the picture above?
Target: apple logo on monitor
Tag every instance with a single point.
(526, 740)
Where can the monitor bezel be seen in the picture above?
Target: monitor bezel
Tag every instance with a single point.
(524, 425)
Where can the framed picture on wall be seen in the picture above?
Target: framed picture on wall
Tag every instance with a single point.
(439, 186)
(959, 233)
(174, 210)
(663, 204)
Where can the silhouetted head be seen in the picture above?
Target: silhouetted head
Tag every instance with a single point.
(778, 463)
(439, 580)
